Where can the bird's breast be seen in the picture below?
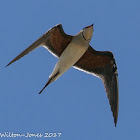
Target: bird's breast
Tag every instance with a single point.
(71, 55)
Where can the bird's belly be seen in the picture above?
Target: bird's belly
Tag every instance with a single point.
(70, 56)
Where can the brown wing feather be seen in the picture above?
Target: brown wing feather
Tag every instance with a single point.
(93, 58)
(102, 64)
(55, 40)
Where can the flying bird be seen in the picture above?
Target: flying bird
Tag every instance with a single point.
(75, 51)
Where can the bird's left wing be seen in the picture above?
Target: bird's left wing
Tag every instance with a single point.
(102, 65)
(55, 40)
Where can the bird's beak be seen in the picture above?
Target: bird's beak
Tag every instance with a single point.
(90, 25)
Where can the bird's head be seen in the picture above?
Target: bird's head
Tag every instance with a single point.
(87, 32)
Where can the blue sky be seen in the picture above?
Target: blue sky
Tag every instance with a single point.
(76, 104)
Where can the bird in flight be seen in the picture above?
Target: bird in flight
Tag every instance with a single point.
(75, 51)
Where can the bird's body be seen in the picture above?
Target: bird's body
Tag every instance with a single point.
(75, 51)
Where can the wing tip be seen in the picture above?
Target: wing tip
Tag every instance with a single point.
(15, 59)
(58, 25)
(115, 115)
(115, 120)
(8, 64)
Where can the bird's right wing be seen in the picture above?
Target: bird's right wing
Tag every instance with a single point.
(103, 65)
(55, 40)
